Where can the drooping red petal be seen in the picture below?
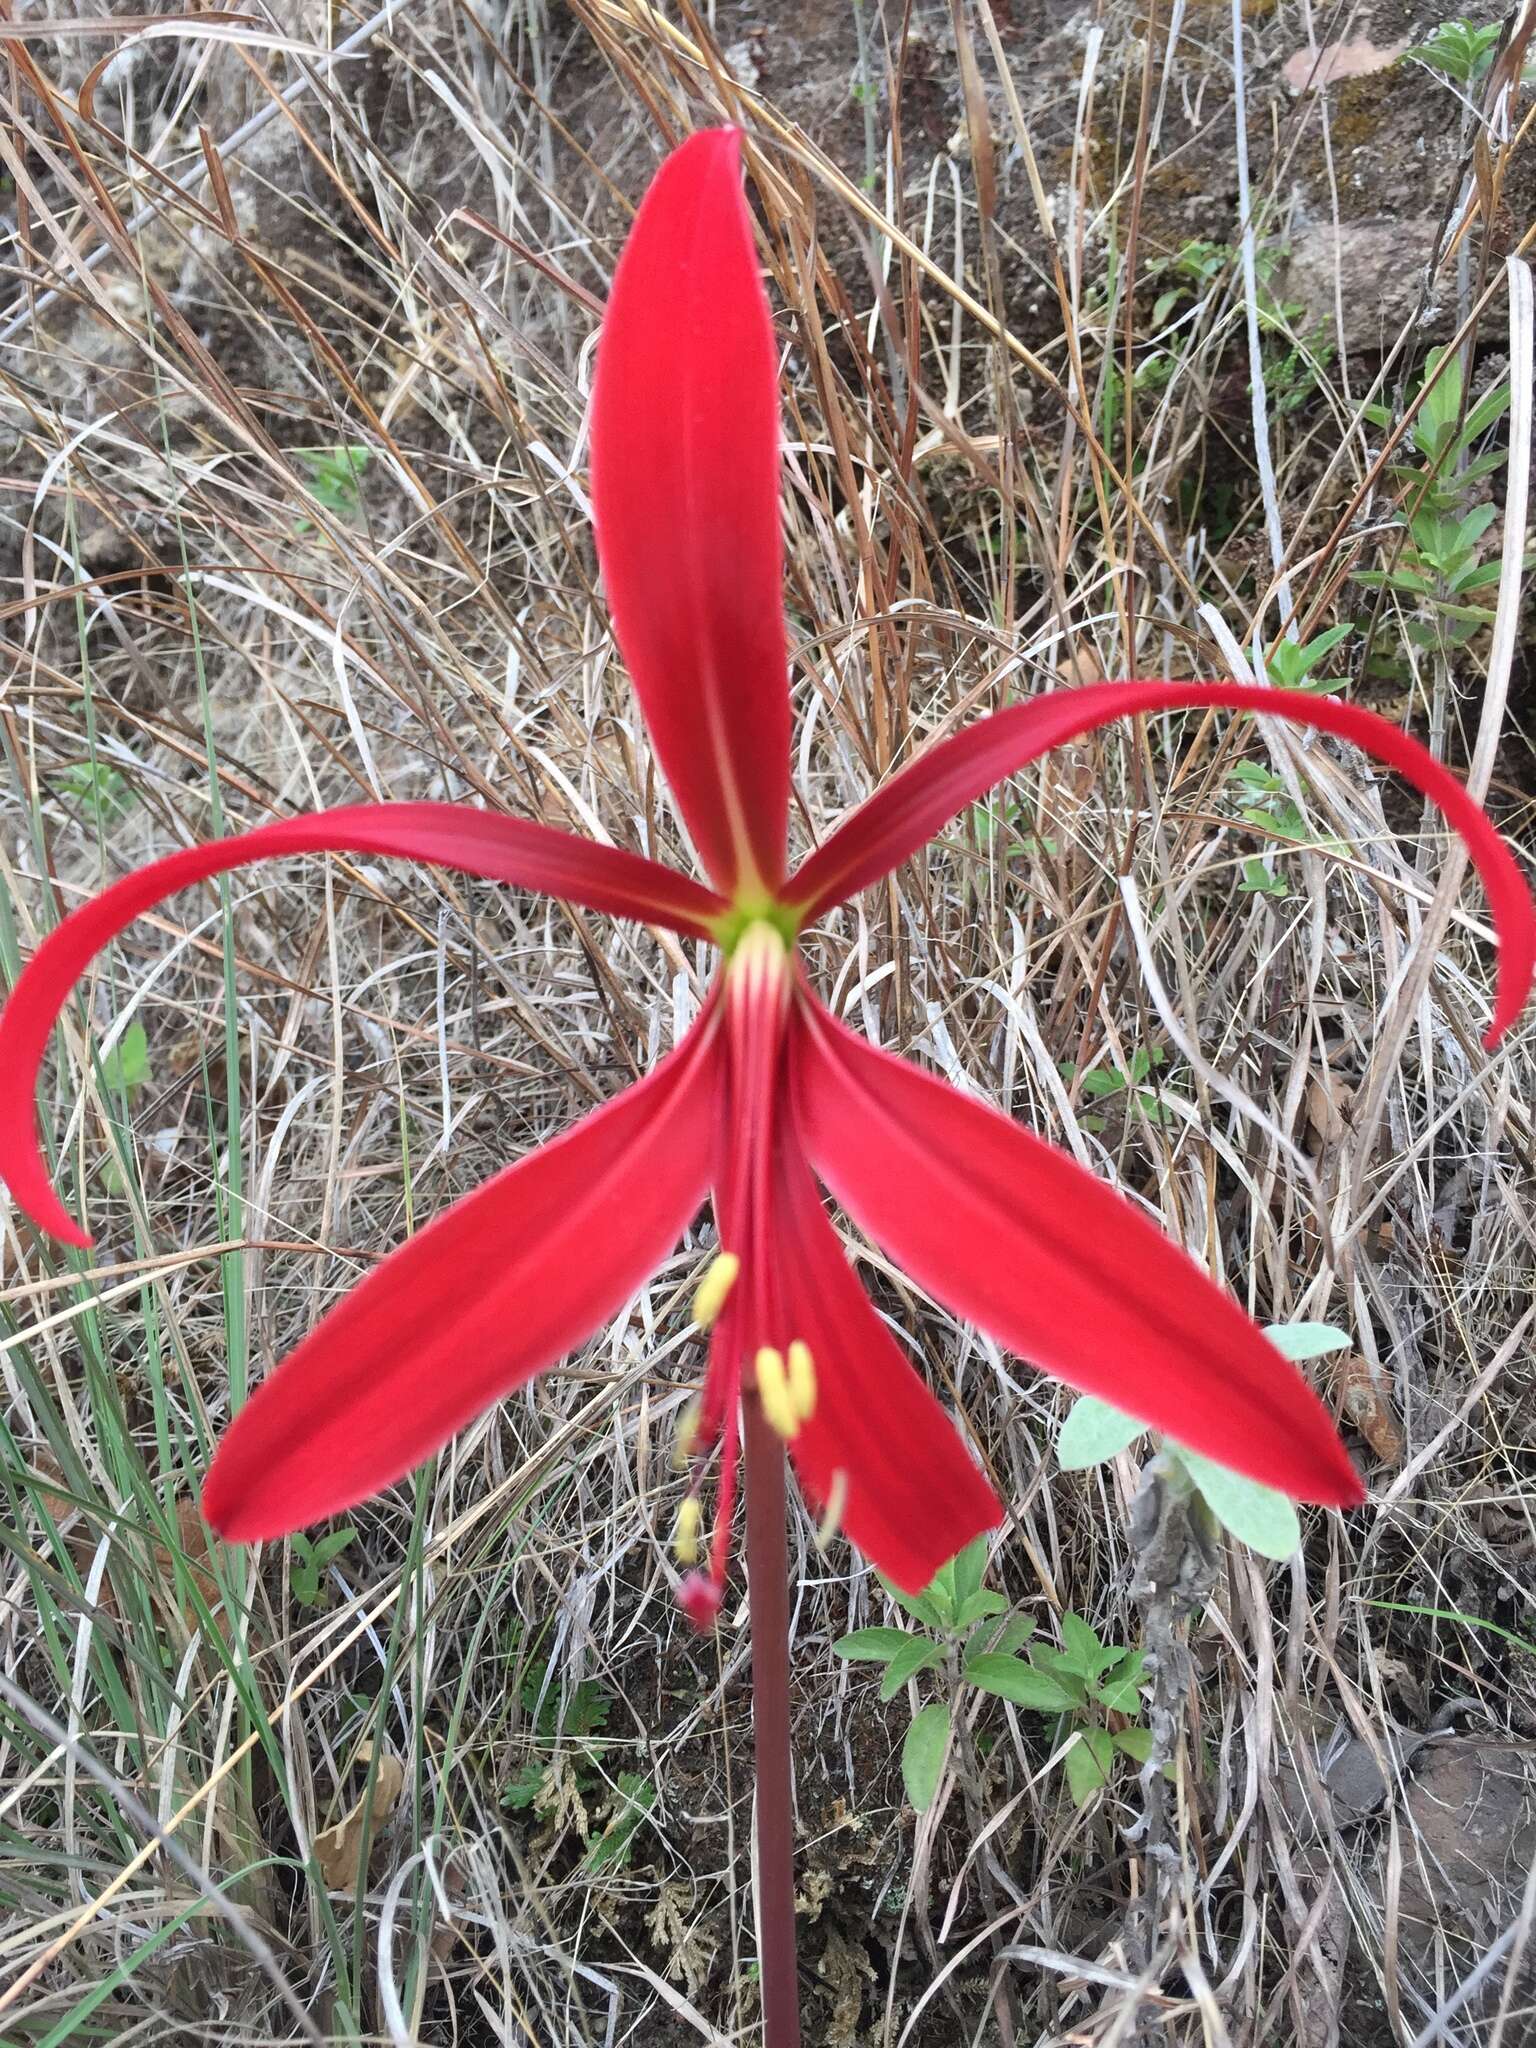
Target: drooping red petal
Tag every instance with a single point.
(500, 849)
(685, 495)
(892, 824)
(502, 1284)
(878, 1441)
(1015, 1236)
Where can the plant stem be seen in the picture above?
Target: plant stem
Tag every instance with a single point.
(768, 1588)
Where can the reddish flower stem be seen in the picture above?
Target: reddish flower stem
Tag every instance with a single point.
(768, 1586)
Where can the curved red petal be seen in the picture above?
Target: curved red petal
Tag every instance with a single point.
(502, 1284)
(685, 495)
(878, 1442)
(1012, 1234)
(500, 849)
(914, 805)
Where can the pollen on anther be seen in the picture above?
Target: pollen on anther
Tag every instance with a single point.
(832, 1517)
(685, 1537)
(686, 1441)
(774, 1392)
(801, 1368)
(713, 1289)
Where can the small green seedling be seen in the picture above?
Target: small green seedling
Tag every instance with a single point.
(105, 789)
(311, 1558)
(1290, 664)
(966, 1629)
(1102, 1084)
(634, 1797)
(1081, 1683)
(1458, 51)
(1438, 570)
(125, 1068)
(1256, 1515)
(335, 478)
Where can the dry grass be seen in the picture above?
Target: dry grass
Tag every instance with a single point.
(407, 254)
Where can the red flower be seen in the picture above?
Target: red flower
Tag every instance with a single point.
(768, 1094)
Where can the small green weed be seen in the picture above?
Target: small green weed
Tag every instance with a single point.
(311, 1558)
(965, 1629)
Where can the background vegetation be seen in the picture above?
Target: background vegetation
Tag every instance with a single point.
(1109, 346)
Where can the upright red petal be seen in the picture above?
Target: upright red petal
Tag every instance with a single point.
(917, 803)
(1010, 1233)
(878, 1443)
(445, 835)
(685, 493)
(502, 1284)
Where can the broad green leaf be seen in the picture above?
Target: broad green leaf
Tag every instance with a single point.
(1092, 1432)
(1010, 1678)
(1087, 1764)
(1016, 1633)
(329, 1548)
(1255, 1515)
(126, 1066)
(917, 1655)
(1119, 1690)
(919, 1605)
(922, 1755)
(1081, 1644)
(871, 1645)
(966, 1571)
(979, 1606)
(1306, 1340)
(1134, 1742)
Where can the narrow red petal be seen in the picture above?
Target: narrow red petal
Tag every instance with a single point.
(911, 1494)
(502, 1284)
(685, 494)
(1010, 1233)
(917, 803)
(445, 835)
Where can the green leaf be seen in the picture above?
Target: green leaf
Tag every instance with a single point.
(1471, 528)
(979, 1605)
(637, 1796)
(967, 1569)
(872, 1645)
(1291, 662)
(329, 1548)
(1092, 1432)
(1010, 1678)
(1015, 1634)
(917, 1655)
(1087, 1764)
(1255, 1515)
(1119, 1691)
(921, 1606)
(1480, 578)
(1062, 1669)
(126, 1066)
(1258, 881)
(922, 1755)
(1306, 1340)
(525, 1787)
(1080, 1643)
(1134, 1742)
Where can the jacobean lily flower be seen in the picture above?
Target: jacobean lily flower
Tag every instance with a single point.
(769, 1099)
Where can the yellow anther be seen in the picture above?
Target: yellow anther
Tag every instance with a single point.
(802, 1380)
(717, 1283)
(831, 1520)
(685, 1537)
(773, 1392)
(683, 1444)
